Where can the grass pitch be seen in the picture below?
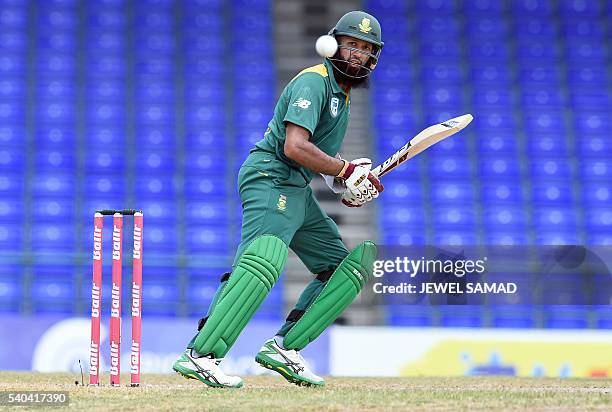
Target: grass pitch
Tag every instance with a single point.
(172, 392)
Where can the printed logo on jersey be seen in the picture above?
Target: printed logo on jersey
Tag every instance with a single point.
(333, 106)
(364, 26)
(302, 103)
(282, 203)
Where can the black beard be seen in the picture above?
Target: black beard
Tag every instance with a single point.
(341, 67)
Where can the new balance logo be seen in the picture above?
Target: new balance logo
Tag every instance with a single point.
(302, 103)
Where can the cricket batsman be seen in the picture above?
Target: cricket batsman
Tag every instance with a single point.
(281, 212)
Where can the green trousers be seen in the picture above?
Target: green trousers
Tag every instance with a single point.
(277, 200)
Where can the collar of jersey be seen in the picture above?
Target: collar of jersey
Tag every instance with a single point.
(330, 72)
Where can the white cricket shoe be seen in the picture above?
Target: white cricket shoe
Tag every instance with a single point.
(205, 369)
(289, 363)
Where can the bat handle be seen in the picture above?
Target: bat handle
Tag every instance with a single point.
(376, 171)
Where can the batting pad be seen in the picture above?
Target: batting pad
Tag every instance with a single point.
(340, 290)
(255, 273)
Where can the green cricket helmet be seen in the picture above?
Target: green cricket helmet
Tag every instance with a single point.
(362, 26)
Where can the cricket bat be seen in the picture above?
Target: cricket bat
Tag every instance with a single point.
(425, 139)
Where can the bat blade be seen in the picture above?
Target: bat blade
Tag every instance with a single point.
(425, 139)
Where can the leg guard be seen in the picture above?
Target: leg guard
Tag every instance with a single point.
(340, 290)
(255, 273)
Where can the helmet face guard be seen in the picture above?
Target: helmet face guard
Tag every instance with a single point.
(359, 25)
(364, 70)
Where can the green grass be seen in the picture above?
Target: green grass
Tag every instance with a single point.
(172, 392)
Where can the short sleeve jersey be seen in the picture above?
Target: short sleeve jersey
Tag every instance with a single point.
(314, 101)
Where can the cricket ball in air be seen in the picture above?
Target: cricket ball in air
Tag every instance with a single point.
(326, 46)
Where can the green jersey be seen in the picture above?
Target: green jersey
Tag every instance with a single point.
(314, 101)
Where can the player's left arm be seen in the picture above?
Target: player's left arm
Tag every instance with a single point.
(299, 149)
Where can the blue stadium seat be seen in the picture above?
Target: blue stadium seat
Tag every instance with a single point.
(591, 99)
(504, 218)
(155, 138)
(204, 163)
(154, 93)
(586, 50)
(513, 316)
(535, 49)
(12, 112)
(555, 218)
(53, 289)
(566, 317)
(538, 26)
(107, 18)
(437, 26)
(542, 98)
(53, 237)
(437, 7)
(461, 316)
(490, 73)
(404, 236)
(206, 212)
(553, 168)
(580, 76)
(205, 116)
(111, 187)
(204, 92)
(501, 98)
(154, 163)
(410, 315)
(11, 185)
(199, 296)
(56, 88)
(105, 137)
(453, 217)
(208, 187)
(106, 113)
(53, 210)
(13, 41)
(11, 137)
(593, 194)
(499, 144)
(106, 162)
(108, 65)
(11, 237)
(499, 168)
(450, 192)
(486, 28)
(539, 74)
(596, 169)
(566, 236)
(532, 7)
(598, 219)
(57, 161)
(161, 296)
(455, 237)
(55, 138)
(505, 237)
(450, 168)
(552, 194)
(53, 185)
(161, 238)
(12, 88)
(591, 122)
(406, 216)
(547, 146)
(160, 212)
(54, 64)
(11, 288)
(501, 193)
(573, 8)
(440, 48)
(443, 95)
(488, 50)
(207, 240)
(154, 187)
(11, 210)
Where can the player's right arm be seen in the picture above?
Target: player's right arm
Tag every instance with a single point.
(299, 149)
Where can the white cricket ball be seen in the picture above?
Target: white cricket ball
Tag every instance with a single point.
(326, 46)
